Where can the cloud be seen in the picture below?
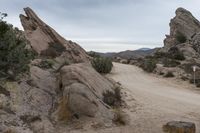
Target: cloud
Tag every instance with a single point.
(135, 21)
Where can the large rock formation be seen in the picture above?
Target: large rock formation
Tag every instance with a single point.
(82, 88)
(181, 49)
(49, 95)
(46, 41)
(184, 26)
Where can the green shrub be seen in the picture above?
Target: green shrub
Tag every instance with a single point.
(14, 56)
(93, 54)
(188, 67)
(148, 65)
(102, 64)
(169, 75)
(161, 73)
(160, 55)
(113, 98)
(46, 64)
(175, 53)
(181, 38)
(65, 63)
(170, 63)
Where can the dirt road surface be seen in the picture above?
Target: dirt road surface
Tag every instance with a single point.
(153, 100)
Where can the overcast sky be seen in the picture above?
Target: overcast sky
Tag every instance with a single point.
(105, 25)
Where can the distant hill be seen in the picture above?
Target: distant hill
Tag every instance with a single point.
(144, 49)
(133, 54)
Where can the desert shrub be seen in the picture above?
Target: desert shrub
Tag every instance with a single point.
(113, 98)
(175, 53)
(184, 78)
(46, 64)
(197, 78)
(65, 63)
(169, 75)
(120, 118)
(102, 64)
(170, 63)
(93, 54)
(14, 56)
(181, 38)
(197, 82)
(54, 50)
(187, 67)
(160, 55)
(148, 65)
(161, 73)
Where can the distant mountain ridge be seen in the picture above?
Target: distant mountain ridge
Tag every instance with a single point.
(129, 54)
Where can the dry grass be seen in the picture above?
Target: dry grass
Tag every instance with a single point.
(63, 111)
(120, 117)
(9, 131)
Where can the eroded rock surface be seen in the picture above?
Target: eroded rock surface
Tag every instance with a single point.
(47, 42)
(83, 87)
(183, 24)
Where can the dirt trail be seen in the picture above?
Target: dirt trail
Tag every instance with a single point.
(159, 100)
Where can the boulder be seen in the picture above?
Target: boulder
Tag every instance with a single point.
(47, 42)
(179, 127)
(82, 89)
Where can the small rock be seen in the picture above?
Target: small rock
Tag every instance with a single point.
(179, 127)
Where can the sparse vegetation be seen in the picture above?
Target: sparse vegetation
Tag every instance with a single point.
(66, 62)
(174, 53)
(46, 64)
(170, 63)
(14, 56)
(181, 38)
(64, 113)
(169, 75)
(113, 98)
(148, 65)
(102, 64)
(197, 78)
(161, 73)
(93, 54)
(120, 117)
(54, 50)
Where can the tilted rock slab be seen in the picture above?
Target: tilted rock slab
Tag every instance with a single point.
(183, 23)
(46, 41)
(82, 88)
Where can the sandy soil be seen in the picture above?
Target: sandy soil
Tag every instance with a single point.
(159, 99)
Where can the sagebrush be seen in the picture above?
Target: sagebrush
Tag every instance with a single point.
(102, 64)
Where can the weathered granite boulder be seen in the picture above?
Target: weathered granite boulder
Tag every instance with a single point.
(179, 127)
(82, 89)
